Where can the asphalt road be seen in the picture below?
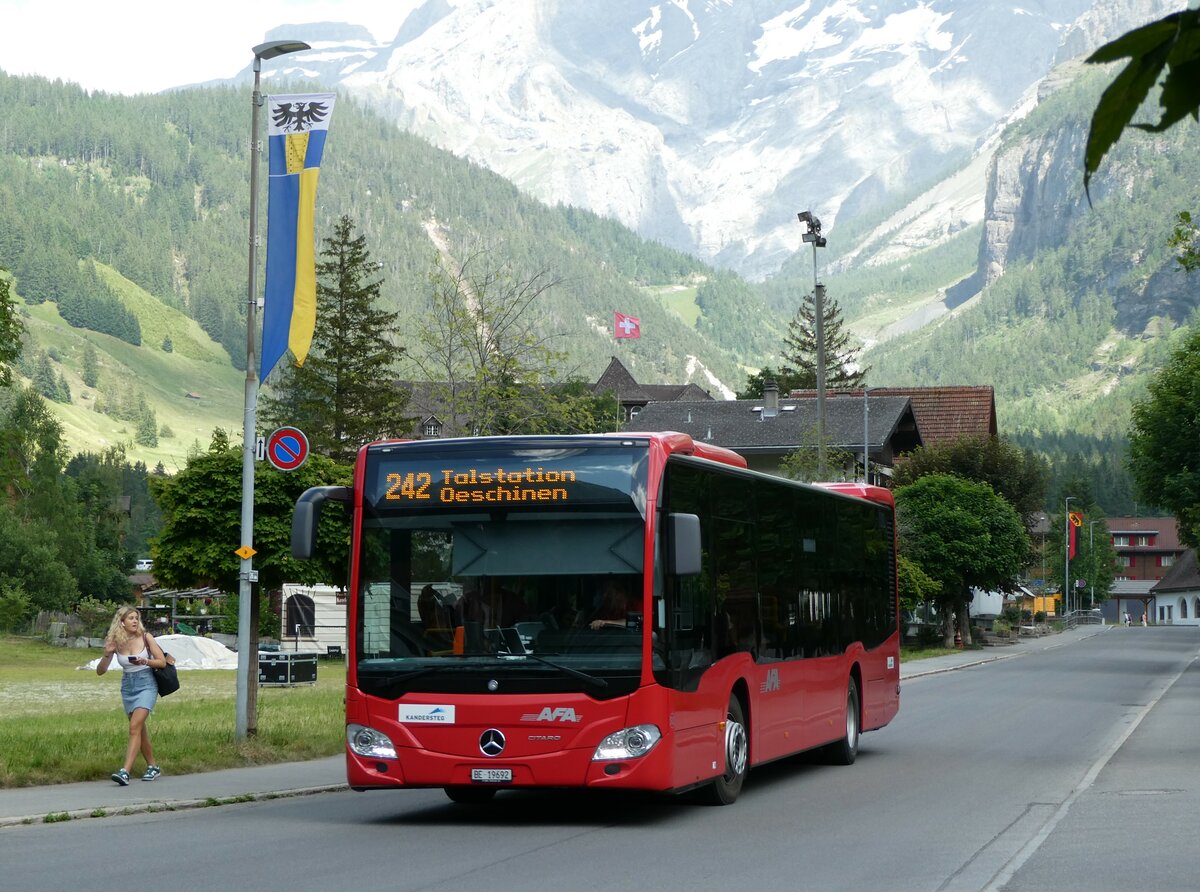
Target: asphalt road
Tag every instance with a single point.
(1069, 768)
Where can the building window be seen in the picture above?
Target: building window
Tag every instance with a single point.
(1120, 541)
(1166, 560)
(433, 429)
(1141, 541)
(1125, 560)
(1183, 608)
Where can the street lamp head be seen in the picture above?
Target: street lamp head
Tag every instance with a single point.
(278, 48)
(813, 235)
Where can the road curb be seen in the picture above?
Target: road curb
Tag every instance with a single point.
(62, 817)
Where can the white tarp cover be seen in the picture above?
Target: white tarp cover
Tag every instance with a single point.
(190, 652)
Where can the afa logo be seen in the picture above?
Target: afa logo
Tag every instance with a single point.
(772, 682)
(555, 714)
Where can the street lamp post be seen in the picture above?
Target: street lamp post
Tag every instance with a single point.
(813, 236)
(1067, 554)
(1092, 564)
(246, 654)
(866, 436)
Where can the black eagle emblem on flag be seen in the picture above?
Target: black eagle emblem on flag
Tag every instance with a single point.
(299, 116)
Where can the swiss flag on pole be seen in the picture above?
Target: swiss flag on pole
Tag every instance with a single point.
(626, 326)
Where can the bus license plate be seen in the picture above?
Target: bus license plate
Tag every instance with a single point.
(491, 775)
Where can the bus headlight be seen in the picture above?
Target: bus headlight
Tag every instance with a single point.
(365, 741)
(628, 743)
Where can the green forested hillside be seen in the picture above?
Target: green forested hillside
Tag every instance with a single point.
(140, 204)
(125, 222)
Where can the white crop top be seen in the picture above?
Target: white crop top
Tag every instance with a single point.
(126, 666)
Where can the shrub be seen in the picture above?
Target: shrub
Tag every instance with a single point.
(96, 616)
(15, 606)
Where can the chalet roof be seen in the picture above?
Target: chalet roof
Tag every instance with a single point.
(1184, 576)
(737, 425)
(943, 414)
(1165, 530)
(619, 380)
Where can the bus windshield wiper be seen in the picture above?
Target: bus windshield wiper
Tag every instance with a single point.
(598, 683)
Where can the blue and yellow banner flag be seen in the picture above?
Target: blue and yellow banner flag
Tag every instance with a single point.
(297, 127)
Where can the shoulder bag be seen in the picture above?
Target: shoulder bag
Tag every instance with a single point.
(167, 677)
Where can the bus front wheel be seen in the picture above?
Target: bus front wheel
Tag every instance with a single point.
(470, 795)
(844, 751)
(725, 789)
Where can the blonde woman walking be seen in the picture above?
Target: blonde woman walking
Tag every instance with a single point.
(136, 653)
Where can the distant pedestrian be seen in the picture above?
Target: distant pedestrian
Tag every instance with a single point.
(1143, 619)
(137, 654)
(1126, 617)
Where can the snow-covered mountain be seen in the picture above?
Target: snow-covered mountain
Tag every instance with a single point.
(707, 124)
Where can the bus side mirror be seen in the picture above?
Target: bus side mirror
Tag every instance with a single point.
(308, 515)
(683, 543)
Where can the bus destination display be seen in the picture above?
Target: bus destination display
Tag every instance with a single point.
(490, 479)
(450, 486)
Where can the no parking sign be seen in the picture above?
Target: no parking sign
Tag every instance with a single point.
(287, 448)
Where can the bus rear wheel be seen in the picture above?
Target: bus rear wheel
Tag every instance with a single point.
(725, 789)
(844, 751)
(470, 795)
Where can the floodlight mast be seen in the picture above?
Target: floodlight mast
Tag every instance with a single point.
(812, 235)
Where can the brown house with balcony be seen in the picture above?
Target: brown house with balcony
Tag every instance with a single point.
(1147, 549)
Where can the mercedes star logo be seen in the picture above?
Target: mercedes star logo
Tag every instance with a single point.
(491, 742)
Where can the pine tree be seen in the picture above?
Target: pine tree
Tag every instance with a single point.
(91, 369)
(842, 371)
(345, 394)
(44, 379)
(146, 433)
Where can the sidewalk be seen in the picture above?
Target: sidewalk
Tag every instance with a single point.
(31, 805)
(25, 805)
(965, 658)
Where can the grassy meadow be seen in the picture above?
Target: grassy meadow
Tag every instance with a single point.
(62, 724)
(192, 390)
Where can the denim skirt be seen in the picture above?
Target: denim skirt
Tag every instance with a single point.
(139, 690)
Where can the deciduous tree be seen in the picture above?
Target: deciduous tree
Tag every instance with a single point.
(1168, 50)
(1016, 474)
(963, 535)
(10, 331)
(1164, 439)
(487, 368)
(201, 508)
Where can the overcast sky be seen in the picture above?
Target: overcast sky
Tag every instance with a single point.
(143, 46)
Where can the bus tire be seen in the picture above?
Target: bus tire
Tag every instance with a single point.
(844, 751)
(724, 790)
(470, 795)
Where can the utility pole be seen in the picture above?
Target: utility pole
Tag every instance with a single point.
(1067, 554)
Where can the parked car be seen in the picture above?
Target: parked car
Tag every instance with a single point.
(144, 564)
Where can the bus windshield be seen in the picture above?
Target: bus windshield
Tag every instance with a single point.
(484, 564)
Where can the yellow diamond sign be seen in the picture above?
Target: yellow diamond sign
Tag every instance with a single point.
(245, 552)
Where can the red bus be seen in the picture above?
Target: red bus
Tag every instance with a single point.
(635, 611)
